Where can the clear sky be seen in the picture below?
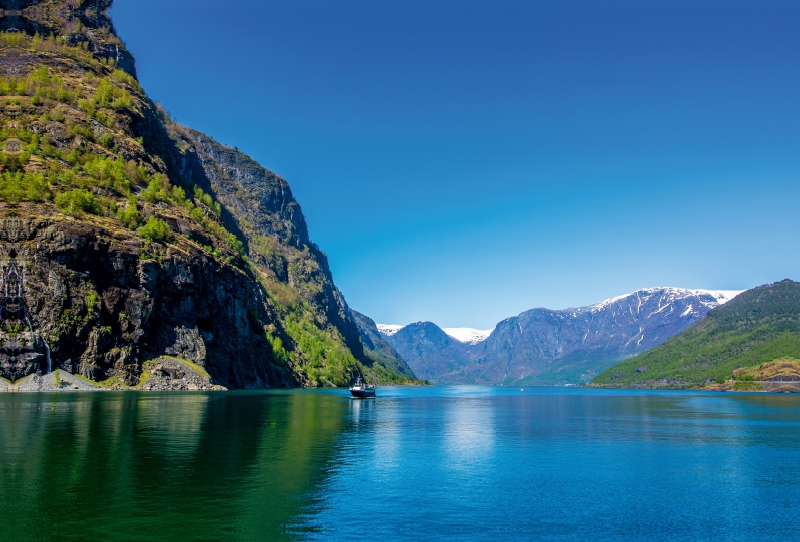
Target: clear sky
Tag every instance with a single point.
(461, 161)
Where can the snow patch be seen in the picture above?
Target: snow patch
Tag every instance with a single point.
(720, 297)
(388, 329)
(467, 335)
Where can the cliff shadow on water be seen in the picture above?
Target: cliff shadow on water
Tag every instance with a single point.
(225, 466)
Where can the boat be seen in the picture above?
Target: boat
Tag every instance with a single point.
(362, 390)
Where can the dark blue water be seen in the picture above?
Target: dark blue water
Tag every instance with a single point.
(449, 463)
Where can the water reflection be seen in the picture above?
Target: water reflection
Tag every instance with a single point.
(468, 434)
(131, 466)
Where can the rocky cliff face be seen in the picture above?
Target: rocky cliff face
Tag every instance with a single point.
(80, 22)
(103, 302)
(557, 346)
(125, 237)
(262, 208)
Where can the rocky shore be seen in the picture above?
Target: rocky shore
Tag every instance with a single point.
(777, 376)
(162, 374)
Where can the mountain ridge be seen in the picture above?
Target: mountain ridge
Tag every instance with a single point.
(758, 326)
(526, 347)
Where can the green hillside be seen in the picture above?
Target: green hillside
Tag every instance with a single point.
(759, 325)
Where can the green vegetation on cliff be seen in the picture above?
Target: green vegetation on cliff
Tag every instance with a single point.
(68, 140)
(757, 326)
(185, 247)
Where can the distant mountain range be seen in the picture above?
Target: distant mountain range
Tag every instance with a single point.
(543, 346)
(759, 326)
(466, 335)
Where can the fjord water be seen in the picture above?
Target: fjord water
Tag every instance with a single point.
(434, 463)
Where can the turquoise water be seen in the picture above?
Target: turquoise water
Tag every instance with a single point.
(436, 463)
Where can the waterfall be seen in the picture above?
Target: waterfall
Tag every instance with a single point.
(47, 352)
(19, 295)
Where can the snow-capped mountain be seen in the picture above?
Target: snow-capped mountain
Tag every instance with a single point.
(387, 330)
(467, 335)
(553, 346)
(708, 298)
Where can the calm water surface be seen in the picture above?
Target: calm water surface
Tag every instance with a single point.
(437, 463)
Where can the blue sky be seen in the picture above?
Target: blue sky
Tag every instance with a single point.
(461, 161)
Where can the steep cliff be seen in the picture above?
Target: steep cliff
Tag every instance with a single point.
(262, 208)
(124, 236)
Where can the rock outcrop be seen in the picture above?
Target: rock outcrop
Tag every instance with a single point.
(170, 374)
(106, 302)
(57, 381)
(777, 376)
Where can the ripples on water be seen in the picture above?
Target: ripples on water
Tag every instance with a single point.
(447, 463)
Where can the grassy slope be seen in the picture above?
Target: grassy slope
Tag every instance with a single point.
(758, 326)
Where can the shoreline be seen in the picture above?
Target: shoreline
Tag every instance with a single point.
(165, 373)
(60, 381)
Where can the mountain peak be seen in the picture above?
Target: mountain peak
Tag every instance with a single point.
(759, 326)
(465, 335)
(388, 330)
